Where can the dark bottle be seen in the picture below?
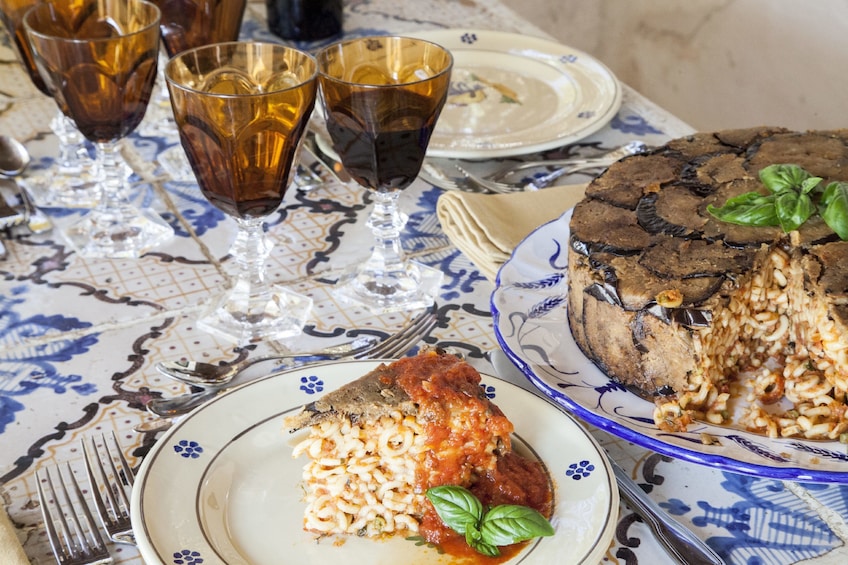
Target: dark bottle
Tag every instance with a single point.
(305, 20)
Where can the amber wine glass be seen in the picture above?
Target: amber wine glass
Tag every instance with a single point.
(187, 24)
(241, 109)
(67, 182)
(382, 97)
(98, 58)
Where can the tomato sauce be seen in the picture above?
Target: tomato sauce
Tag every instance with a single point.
(462, 425)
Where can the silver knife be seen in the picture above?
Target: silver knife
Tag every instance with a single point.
(677, 540)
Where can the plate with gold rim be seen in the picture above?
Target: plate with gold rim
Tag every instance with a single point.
(531, 325)
(221, 486)
(514, 94)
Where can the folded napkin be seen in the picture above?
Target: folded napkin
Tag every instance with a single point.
(11, 552)
(487, 227)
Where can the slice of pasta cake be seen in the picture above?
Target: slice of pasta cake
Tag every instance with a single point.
(376, 445)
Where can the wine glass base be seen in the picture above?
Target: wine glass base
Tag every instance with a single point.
(415, 287)
(58, 189)
(238, 319)
(126, 233)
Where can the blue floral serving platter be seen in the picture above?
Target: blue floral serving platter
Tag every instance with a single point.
(222, 487)
(529, 309)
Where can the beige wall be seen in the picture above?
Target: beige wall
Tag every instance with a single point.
(716, 63)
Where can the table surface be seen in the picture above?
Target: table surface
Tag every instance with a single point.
(79, 338)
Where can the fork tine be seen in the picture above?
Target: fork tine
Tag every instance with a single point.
(115, 517)
(52, 535)
(129, 474)
(433, 175)
(103, 479)
(96, 538)
(89, 547)
(491, 185)
(417, 332)
(404, 339)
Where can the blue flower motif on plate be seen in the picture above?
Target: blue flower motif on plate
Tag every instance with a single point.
(488, 390)
(311, 384)
(580, 470)
(469, 38)
(187, 557)
(188, 448)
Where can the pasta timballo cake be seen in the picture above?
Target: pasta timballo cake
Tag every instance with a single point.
(377, 444)
(671, 300)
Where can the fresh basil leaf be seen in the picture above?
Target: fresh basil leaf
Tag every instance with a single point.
(472, 534)
(778, 178)
(475, 541)
(835, 214)
(456, 506)
(508, 524)
(749, 209)
(793, 209)
(809, 184)
(486, 549)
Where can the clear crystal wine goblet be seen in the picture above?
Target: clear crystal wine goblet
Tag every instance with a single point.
(98, 59)
(241, 109)
(382, 97)
(68, 182)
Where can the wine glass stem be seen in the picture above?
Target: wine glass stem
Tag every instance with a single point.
(386, 222)
(71, 145)
(250, 249)
(110, 176)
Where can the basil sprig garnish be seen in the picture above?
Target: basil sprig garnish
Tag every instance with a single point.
(794, 196)
(484, 531)
(835, 202)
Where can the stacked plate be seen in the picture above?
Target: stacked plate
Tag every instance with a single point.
(514, 95)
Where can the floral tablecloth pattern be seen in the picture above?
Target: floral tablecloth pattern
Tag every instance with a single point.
(79, 338)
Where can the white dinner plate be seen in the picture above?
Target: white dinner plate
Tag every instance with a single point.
(529, 309)
(514, 94)
(222, 485)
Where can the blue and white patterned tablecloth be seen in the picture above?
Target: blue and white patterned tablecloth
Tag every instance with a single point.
(79, 338)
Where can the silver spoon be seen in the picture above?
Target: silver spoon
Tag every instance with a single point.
(14, 158)
(168, 408)
(212, 376)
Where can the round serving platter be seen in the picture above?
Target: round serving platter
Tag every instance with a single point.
(529, 309)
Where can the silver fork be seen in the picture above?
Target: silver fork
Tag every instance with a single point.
(437, 176)
(113, 480)
(417, 329)
(568, 166)
(77, 541)
(396, 344)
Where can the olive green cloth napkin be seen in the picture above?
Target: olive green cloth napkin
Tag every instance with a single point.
(11, 552)
(487, 227)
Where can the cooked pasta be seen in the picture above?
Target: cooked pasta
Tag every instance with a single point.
(376, 445)
(360, 476)
(787, 347)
